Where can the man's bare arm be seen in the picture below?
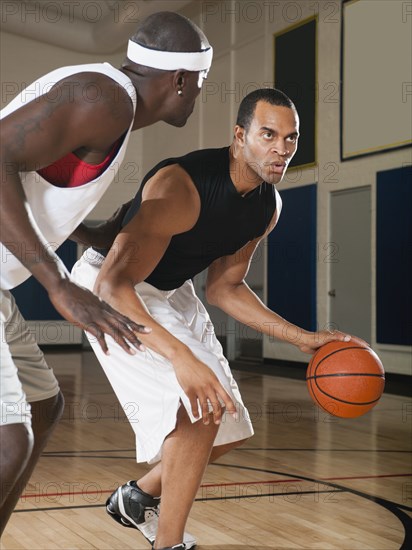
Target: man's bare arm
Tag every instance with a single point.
(34, 136)
(227, 289)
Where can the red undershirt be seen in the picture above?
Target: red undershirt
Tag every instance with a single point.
(70, 171)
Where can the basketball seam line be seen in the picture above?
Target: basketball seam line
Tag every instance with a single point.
(346, 374)
(343, 401)
(329, 354)
(315, 396)
(337, 351)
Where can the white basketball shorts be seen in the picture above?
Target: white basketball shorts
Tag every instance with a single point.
(24, 374)
(146, 384)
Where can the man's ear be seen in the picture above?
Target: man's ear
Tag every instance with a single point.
(239, 135)
(179, 81)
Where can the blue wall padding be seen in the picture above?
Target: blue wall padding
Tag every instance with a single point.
(393, 256)
(291, 276)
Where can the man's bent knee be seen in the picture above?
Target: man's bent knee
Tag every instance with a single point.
(47, 413)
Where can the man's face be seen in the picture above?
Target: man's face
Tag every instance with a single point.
(271, 141)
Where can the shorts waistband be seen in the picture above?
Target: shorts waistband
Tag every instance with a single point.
(93, 257)
(96, 259)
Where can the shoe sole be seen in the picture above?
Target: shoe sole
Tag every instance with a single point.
(118, 519)
(129, 522)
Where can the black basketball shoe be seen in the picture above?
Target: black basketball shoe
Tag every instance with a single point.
(132, 507)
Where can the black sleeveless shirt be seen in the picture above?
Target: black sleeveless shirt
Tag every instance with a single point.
(227, 220)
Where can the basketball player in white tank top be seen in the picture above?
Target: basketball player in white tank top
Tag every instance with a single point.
(159, 80)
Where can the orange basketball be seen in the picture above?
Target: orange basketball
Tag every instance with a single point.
(345, 379)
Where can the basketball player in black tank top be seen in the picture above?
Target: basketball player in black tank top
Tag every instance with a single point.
(208, 209)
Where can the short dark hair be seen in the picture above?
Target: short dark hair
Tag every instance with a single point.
(248, 104)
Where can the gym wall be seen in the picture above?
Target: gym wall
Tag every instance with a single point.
(242, 33)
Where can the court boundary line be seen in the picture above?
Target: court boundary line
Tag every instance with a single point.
(229, 484)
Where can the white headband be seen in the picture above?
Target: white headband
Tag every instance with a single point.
(170, 61)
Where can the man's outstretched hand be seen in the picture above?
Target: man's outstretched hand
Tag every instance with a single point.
(311, 342)
(82, 308)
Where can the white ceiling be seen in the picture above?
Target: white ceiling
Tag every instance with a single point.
(88, 26)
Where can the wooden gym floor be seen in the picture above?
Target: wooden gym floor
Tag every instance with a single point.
(304, 481)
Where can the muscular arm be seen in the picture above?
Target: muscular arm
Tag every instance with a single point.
(226, 288)
(34, 136)
(170, 205)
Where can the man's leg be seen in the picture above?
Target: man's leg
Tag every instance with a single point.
(151, 483)
(25, 376)
(16, 444)
(186, 452)
(17, 465)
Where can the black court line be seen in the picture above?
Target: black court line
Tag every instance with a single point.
(206, 499)
(93, 456)
(90, 451)
(62, 508)
(120, 457)
(291, 493)
(404, 507)
(392, 507)
(208, 486)
(240, 449)
(98, 457)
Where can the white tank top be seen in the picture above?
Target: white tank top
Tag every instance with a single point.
(55, 212)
